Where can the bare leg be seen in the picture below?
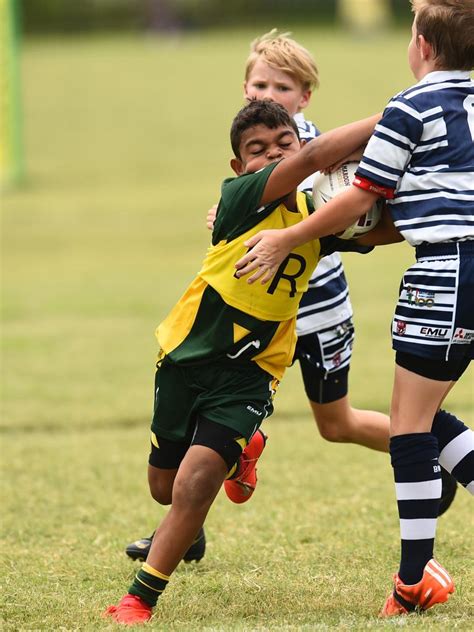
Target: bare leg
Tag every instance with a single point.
(339, 422)
(196, 485)
(415, 401)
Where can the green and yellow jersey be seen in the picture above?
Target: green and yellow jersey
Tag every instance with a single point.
(222, 318)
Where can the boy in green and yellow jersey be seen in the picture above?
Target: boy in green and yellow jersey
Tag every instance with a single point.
(226, 344)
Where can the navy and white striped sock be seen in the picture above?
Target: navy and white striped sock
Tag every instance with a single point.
(456, 447)
(418, 489)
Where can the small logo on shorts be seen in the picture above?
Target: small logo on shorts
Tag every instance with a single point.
(254, 411)
(463, 336)
(401, 327)
(421, 298)
(433, 332)
(336, 361)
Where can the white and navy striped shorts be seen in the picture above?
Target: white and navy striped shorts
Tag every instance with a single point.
(328, 350)
(434, 317)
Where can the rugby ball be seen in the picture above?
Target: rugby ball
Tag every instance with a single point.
(325, 187)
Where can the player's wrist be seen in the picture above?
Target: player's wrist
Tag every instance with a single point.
(293, 237)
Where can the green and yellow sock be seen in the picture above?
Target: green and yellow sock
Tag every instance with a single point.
(148, 584)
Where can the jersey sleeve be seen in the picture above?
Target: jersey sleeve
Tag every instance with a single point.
(239, 207)
(390, 148)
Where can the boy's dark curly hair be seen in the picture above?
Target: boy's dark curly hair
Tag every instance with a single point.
(259, 112)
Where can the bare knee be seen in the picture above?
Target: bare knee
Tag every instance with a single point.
(194, 491)
(333, 432)
(161, 484)
(162, 496)
(332, 421)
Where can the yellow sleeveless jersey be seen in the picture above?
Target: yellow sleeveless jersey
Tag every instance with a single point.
(224, 318)
(279, 298)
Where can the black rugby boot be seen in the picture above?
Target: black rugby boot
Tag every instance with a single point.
(139, 549)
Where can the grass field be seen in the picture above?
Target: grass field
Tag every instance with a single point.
(126, 145)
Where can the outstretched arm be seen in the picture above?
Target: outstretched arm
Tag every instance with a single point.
(323, 151)
(270, 247)
(354, 156)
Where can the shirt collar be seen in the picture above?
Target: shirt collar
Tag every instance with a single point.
(438, 76)
(299, 118)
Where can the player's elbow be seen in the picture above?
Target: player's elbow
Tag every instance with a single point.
(380, 237)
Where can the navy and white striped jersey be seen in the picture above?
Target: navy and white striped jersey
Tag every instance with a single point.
(326, 302)
(421, 157)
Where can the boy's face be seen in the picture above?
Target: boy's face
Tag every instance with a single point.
(265, 82)
(260, 146)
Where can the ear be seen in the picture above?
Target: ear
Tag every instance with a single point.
(245, 90)
(303, 143)
(305, 99)
(237, 166)
(425, 48)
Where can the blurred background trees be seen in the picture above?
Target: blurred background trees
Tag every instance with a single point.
(62, 16)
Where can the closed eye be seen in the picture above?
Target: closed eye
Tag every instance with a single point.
(256, 150)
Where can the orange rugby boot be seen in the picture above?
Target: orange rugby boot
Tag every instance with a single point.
(434, 587)
(240, 488)
(130, 610)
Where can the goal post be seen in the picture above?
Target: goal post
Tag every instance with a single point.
(11, 148)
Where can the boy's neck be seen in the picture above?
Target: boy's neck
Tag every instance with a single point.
(290, 202)
(435, 68)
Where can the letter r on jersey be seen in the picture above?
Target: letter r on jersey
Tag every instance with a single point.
(280, 274)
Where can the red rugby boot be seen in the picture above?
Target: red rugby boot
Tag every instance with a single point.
(434, 587)
(240, 488)
(130, 610)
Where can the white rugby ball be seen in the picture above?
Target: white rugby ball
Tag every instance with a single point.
(325, 187)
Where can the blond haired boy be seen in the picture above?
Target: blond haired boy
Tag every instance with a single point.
(279, 68)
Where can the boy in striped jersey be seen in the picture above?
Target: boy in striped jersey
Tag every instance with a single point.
(421, 159)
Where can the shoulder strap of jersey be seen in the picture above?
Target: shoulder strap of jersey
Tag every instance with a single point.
(304, 203)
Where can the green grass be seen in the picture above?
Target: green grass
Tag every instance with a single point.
(126, 145)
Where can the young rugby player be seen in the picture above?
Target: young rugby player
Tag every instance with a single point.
(226, 345)
(421, 159)
(279, 68)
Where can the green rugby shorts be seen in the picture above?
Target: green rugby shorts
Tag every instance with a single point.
(237, 396)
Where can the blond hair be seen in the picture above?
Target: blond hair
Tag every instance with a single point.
(448, 25)
(281, 52)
